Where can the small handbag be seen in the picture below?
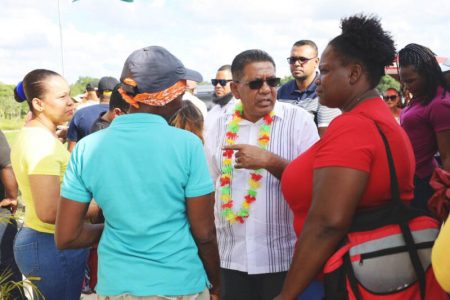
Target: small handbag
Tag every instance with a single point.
(386, 254)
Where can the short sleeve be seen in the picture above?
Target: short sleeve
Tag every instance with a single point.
(73, 187)
(440, 113)
(199, 181)
(4, 151)
(47, 159)
(72, 133)
(325, 115)
(348, 142)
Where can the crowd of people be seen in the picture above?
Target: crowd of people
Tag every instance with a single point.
(249, 200)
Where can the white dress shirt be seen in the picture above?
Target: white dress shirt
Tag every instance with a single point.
(216, 112)
(265, 242)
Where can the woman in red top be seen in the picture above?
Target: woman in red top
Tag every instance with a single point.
(347, 169)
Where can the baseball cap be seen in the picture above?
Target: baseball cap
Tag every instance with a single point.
(107, 83)
(155, 69)
(91, 86)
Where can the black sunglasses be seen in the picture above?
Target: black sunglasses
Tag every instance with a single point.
(258, 83)
(391, 98)
(222, 82)
(302, 59)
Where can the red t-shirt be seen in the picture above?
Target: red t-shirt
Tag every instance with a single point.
(352, 140)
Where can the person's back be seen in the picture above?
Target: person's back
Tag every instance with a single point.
(144, 207)
(152, 182)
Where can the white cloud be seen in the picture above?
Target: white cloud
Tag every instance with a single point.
(204, 34)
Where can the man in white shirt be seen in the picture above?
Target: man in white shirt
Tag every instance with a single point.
(222, 97)
(248, 148)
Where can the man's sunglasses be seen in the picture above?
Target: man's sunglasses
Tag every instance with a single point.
(390, 98)
(258, 83)
(301, 59)
(222, 82)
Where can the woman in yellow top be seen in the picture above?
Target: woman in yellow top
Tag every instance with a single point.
(39, 161)
(440, 258)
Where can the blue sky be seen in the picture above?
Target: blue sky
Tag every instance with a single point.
(98, 35)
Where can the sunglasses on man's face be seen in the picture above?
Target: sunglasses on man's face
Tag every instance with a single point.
(301, 59)
(390, 98)
(258, 83)
(222, 82)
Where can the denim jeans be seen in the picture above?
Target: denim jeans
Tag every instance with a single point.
(8, 231)
(60, 272)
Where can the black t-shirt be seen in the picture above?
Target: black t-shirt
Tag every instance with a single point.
(99, 124)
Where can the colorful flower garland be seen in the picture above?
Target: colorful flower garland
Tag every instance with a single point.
(227, 169)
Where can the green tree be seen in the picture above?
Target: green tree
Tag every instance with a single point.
(286, 79)
(79, 86)
(386, 82)
(10, 108)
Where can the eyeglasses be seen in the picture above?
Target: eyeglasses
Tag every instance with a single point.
(291, 60)
(222, 82)
(258, 83)
(390, 98)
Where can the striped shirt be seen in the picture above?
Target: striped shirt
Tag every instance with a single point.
(265, 242)
(309, 101)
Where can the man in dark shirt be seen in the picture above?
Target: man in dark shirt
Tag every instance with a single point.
(82, 121)
(301, 91)
(8, 225)
(117, 107)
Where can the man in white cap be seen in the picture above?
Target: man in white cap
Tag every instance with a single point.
(152, 182)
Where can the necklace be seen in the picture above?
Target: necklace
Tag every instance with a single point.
(366, 95)
(254, 182)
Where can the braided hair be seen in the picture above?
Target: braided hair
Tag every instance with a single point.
(364, 41)
(424, 62)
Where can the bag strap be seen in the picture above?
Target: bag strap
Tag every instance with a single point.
(406, 232)
(351, 276)
(395, 190)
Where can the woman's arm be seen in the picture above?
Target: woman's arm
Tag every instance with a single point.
(443, 141)
(71, 230)
(336, 194)
(200, 212)
(45, 191)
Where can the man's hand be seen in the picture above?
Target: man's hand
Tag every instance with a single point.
(252, 157)
(10, 203)
(214, 297)
(249, 156)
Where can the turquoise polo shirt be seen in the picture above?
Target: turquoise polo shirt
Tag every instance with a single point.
(140, 171)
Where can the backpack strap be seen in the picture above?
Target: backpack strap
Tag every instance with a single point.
(406, 232)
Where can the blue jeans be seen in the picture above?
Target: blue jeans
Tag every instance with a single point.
(60, 272)
(314, 291)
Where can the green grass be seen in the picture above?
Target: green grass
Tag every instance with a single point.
(11, 136)
(10, 128)
(11, 124)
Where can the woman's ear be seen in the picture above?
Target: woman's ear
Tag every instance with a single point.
(356, 71)
(37, 104)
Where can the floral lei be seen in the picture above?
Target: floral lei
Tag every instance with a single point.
(254, 182)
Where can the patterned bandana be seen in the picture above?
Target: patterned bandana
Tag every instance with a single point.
(160, 98)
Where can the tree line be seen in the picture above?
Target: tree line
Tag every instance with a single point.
(10, 109)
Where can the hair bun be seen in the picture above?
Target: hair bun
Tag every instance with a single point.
(19, 93)
(367, 35)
